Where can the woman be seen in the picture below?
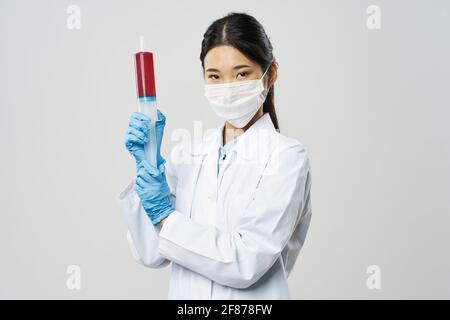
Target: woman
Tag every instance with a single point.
(231, 212)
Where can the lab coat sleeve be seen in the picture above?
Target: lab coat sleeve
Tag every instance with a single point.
(240, 257)
(142, 235)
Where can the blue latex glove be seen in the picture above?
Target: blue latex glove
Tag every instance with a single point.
(137, 136)
(153, 190)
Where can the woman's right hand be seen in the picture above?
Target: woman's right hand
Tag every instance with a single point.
(137, 135)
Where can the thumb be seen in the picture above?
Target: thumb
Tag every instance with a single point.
(161, 122)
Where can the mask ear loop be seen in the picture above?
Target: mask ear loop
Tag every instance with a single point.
(264, 74)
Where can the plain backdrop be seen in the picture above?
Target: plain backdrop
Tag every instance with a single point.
(371, 107)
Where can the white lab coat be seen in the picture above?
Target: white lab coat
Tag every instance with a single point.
(235, 235)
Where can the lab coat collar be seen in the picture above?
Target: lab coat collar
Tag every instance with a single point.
(254, 144)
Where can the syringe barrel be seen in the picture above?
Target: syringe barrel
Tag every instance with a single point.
(145, 74)
(146, 92)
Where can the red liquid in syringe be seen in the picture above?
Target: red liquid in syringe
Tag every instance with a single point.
(145, 75)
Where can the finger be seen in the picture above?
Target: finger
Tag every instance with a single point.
(139, 124)
(131, 140)
(145, 175)
(140, 182)
(133, 143)
(161, 116)
(138, 134)
(140, 116)
(148, 168)
(162, 167)
(161, 122)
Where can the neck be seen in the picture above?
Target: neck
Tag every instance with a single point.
(230, 132)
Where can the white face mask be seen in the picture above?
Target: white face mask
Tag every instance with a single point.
(237, 102)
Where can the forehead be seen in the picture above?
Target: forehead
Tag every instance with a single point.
(225, 57)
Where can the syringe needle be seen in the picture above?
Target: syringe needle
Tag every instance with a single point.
(141, 38)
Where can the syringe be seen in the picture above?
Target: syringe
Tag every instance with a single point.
(146, 92)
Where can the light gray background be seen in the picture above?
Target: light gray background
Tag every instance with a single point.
(371, 106)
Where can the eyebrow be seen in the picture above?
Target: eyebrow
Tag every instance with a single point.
(239, 66)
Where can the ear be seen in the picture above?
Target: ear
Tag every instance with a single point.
(273, 74)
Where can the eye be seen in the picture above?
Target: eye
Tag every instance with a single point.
(243, 74)
(213, 75)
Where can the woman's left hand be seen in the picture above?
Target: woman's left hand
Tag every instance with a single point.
(153, 190)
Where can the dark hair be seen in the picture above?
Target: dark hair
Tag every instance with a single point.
(247, 35)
